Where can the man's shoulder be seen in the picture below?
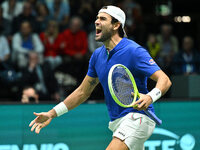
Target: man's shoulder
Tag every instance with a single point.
(133, 44)
(99, 49)
(17, 35)
(97, 52)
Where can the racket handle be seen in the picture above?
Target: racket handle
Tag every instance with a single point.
(153, 116)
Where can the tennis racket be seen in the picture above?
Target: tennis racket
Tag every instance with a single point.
(121, 83)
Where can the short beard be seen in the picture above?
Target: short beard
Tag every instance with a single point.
(106, 36)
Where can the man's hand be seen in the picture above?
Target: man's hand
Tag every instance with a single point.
(143, 102)
(41, 121)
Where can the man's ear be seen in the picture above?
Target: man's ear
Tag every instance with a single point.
(116, 26)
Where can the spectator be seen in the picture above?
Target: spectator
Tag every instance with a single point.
(29, 95)
(75, 49)
(34, 6)
(186, 61)
(24, 42)
(52, 41)
(75, 39)
(42, 17)
(74, 7)
(134, 23)
(59, 11)
(12, 8)
(41, 78)
(8, 77)
(169, 46)
(26, 15)
(86, 9)
(4, 48)
(5, 24)
(153, 46)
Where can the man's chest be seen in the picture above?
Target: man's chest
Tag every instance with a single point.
(103, 65)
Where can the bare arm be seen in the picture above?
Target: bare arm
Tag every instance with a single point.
(77, 97)
(80, 95)
(163, 84)
(163, 81)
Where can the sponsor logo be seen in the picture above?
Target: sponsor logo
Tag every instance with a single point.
(49, 146)
(185, 142)
(121, 133)
(158, 93)
(151, 61)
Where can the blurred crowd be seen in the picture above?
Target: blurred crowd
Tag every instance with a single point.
(45, 46)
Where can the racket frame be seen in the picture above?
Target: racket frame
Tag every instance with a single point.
(136, 92)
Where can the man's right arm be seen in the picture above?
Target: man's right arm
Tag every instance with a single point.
(80, 95)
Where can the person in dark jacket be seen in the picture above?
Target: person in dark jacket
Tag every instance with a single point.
(41, 77)
(187, 60)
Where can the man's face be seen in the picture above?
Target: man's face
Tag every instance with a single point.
(75, 25)
(25, 29)
(27, 9)
(104, 27)
(187, 44)
(29, 94)
(166, 31)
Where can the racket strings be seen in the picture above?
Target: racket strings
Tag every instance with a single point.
(122, 85)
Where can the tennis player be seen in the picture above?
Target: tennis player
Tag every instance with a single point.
(130, 126)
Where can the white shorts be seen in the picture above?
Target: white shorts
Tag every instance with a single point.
(134, 129)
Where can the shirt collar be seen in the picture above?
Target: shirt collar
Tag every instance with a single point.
(118, 47)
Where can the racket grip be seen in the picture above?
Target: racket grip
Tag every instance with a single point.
(153, 116)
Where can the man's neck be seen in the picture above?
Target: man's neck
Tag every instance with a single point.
(112, 42)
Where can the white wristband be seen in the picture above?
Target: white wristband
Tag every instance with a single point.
(60, 109)
(155, 94)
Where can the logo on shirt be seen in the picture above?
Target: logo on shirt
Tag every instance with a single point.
(121, 133)
(151, 61)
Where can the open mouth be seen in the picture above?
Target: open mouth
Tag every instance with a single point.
(98, 31)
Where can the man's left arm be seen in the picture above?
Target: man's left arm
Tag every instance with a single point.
(163, 83)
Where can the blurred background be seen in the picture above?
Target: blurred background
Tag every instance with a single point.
(45, 47)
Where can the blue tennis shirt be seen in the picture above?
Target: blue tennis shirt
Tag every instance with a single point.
(135, 58)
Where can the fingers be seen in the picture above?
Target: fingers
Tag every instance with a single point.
(34, 126)
(32, 122)
(41, 121)
(138, 102)
(132, 94)
(142, 103)
(38, 128)
(37, 114)
(141, 106)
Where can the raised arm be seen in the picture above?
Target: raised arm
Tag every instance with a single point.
(77, 97)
